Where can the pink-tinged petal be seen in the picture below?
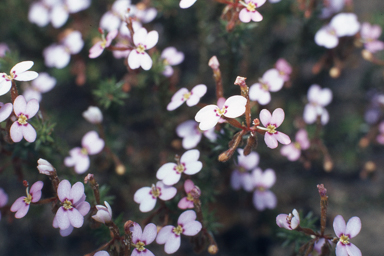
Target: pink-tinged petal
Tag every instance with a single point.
(248, 162)
(256, 16)
(282, 138)
(179, 95)
(92, 143)
(207, 117)
(19, 105)
(264, 199)
(151, 39)
(302, 138)
(142, 194)
(165, 170)
(273, 79)
(277, 117)
(353, 227)
(184, 203)
(192, 228)
(22, 211)
(339, 225)
(281, 221)
(244, 16)
(19, 203)
(111, 35)
(22, 67)
(66, 232)
(96, 50)
(259, 2)
(310, 114)
(353, 250)
(168, 71)
(265, 117)
(190, 156)
(103, 253)
(137, 232)
(63, 190)
(145, 61)
(140, 36)
(270, 140)
(247, 181)
(186, 217)
(84, 208)
(164, 234)
(75, 218)
(134, 59)
(62, 218)
(291, 152)
(264, 97)
(283, 66)
(168, 193)
(35, 191)
(148, 205)
(172, 244)
(186, 3)
(5, 110)
(31, 108)
(82, 164)
(5, 86)
(193, 168)
(29, 133)
(200, 90)
(268, 178)
(236, 106)
(172, 178)
(16, 132)
(149, 233)
(341, 249)
(374, 46)
(188, 185)
(77, 191)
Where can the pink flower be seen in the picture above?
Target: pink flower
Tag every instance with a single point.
(271, 81)
(170, 235)
(249, 12)
(290, 221)
(102, 253)
(190, 97)
(141, 239)
(104, 213)
(24, 111)
(45, 167)
(293, 150)
(210, 115)
(344, 233)
(97, 49)
(240, 176)
(262, 197)
(271, 122)
(191, 134)
(369, 35)
(284, 69)
(380, 137)
(143, 41)
(73, 207)
(91, 145)
(21, 205)
(147, 196)
(187, 202)
(171, 57)
(42, 84)
(93, 115)
(3, 199)
(5, 110)
(3, 49)
(186, 3)
(18, 72)
(170, 173)
(318, 98)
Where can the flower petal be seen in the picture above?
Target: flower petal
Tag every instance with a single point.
(149, 233)
(164, 234)
(186, 217)
(22, 67)
(236, 106)
(207, 117)
(339, 225)
(19, 105)
(75, 218)
(165, 170)
(62, 218)
(134, 59)
(5, 86)
(31, 108)
(270, 140)
(282, 138)
(192, 228)
(151, 39)
(63, 190)
(5, 110)
(277, 117)
(137, 232)
(77, 191)
(353, 250)
(265, 117)
(27, 76)
(16, 132)
(145, 61)
(353, 227)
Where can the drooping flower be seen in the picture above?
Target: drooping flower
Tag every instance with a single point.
(240, 177)
(293, 150)
(104, 213)
(249, 12)
(184, 4)
(288, 221)
(284, 69)
(93, 115)
(24, 111)
(21, 205)
(19, 72)
(42, 84)
(345, 232)
(171, 57)
(73, 207)
(141, 239)
(271, 122)
(98, 48)
(91, 145)
(342, 24)
(170, 173)
(191, 134)
(210, 115)
(187, 202)
(45, 167)
(147, 196)
(369, 35)
(190, 97)
(170, 235)
(262, 181)
(5, 110)
(143, 41)
(271, 81)
(3, 199)
(318, 98)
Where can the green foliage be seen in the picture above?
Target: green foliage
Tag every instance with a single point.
(44, 130)
(109, 91)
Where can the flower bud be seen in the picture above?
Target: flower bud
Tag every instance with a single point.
(213, 62)
(104, 214)
(93, 115)
(127, 226)
(291, 221)
(45, 167)
(196, 192)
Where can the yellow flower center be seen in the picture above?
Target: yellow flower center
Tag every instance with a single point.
(251, 7)
(178, 230)
(84, 151)
(344, 239)
(222, 111)
(140, 48)
(186, 95)
(271, 128)
(140, 246)
(261, 189)
(155, 191)
(28, 199)
(265, 86)
(22, 119)
(189, 197)
(103, 43)
(180, 168)
(67, 204)
(165, 62)
(297, 145)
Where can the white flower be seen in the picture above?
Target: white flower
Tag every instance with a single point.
(190, 97)
(93, 115)
(45, 167)
(103, 214)
(18, 72)
(143, 41)
(318, 98)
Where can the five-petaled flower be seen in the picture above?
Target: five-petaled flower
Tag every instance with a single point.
(98, 48)
(288, 221)
(141, 239)
(24, 111)
(21, 205)
(147, 196)
(249, 12)
(18, 72)
(104, 213)
(271, 81)
(170, 173)
(170, 235)
(345, 232)
(210, 115)
(190, 97)
(143, 41)
(271, 122)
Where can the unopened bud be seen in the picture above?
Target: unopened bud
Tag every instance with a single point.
(195, 192)
(127, 226)
(25, 183)
(89, 178)
(367, 55)
(214, 62)
(213, 249)
(240, 81)
(120, 169)
(101, 31)
(334, 72)
(322, 190)
(251, 144)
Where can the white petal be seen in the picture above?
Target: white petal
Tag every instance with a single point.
(236, 106)
(145, 61)
(134, 59)
(151, 39)
(22, 67)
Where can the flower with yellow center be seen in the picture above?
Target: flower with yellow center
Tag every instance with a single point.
(22, 119)
(67, 204)
(178, 230)
(251, 7)
(140, 49)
